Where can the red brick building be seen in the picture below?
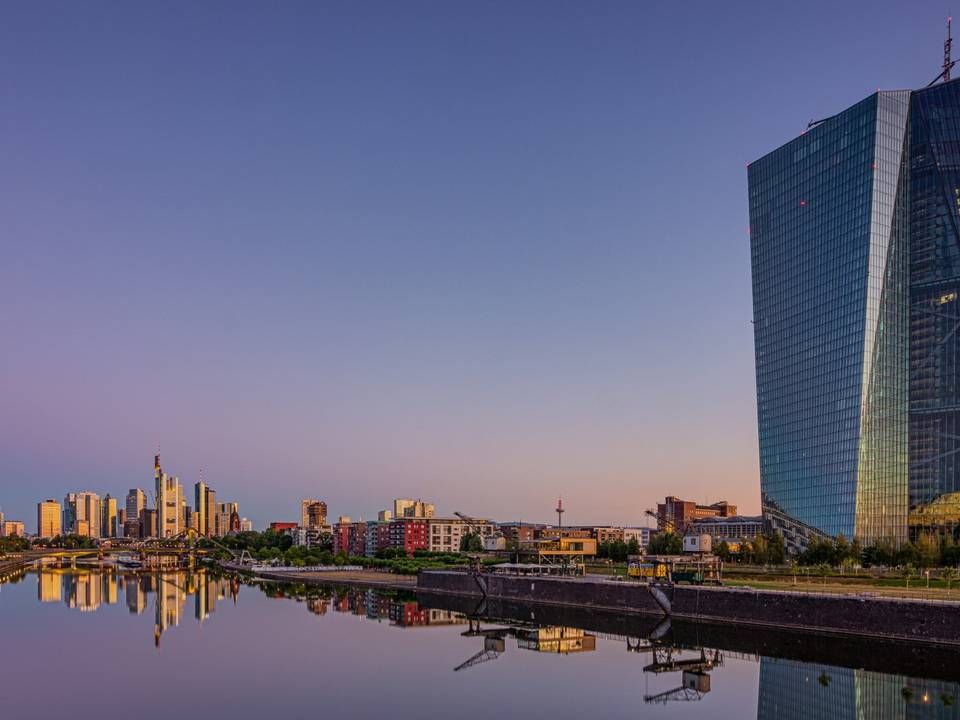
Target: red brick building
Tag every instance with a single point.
(409, 534)
(674, 514)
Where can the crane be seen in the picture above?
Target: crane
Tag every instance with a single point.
(668, 524)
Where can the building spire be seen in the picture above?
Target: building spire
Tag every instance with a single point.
(947, 47)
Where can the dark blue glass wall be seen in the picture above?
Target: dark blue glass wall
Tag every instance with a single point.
(829, 255)
(935, 306)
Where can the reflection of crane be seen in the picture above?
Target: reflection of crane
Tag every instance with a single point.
(695, 678)
(681, 693)
(493, 644)
(493, 647)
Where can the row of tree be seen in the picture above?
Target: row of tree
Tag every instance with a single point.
(927, 550)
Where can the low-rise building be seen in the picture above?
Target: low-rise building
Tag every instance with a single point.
(283, 527)
(494, 543)
(739, 527)
(640, 534)
(409, 534)
(675, 515)
(446, 534)
(12, 528)
(517, 532)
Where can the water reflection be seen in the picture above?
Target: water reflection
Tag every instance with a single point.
(680, 665)
(165, 593)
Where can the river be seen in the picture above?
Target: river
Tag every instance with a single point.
(101, 642)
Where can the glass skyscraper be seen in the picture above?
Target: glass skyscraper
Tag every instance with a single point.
(855, 256)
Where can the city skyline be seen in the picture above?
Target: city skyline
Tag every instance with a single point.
(362, 266)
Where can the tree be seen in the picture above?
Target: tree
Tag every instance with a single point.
(759, 548)
(723, 551)
(666, 543)
(776, 550)
(633, 547)
(928, 550)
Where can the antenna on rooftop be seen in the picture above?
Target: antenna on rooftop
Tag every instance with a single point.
(948, 62)
(947, 46)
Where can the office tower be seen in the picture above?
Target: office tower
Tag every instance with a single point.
(108, 517)
(205, 501)
(200, 506)
(148, 523)
(211, 511)
(934, 137)
(855, 252)
(81, 514)
(829, 223)
(169, 501)
(48, 519)
(385, 516)
(136, 503)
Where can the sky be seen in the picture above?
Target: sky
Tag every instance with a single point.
(482, 253)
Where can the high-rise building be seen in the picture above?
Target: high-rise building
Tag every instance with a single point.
(210, 508)
(81, 514)
(108, 517)
(313, 513)
(404, 507)
(205, 507)
(48, 519)
(148, 523)
(855, 256)
(170, 503)
(136, 502)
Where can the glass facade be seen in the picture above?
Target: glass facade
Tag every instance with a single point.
(830, 221)
(792, 690)
(935, 309)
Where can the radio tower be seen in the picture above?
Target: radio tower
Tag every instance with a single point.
(947, 46)
(559, 517)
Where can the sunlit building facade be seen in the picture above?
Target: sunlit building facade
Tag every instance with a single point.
(48, 519)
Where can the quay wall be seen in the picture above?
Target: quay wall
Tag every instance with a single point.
(850, 615)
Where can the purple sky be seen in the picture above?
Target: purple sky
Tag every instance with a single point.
(484, 253)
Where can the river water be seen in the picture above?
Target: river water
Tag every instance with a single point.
(99, 643)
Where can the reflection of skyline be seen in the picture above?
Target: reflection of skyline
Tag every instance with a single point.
(793, 690)
(89, 590)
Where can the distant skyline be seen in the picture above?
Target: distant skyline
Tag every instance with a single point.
(483, 254)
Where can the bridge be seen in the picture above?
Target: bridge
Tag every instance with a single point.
(179, 549)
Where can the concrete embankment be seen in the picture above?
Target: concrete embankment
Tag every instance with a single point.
(925, 621)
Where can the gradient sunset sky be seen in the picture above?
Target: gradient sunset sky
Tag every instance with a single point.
(483, 253)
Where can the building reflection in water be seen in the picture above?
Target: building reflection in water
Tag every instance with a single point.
(788, 689)
(792, 690)
(168, 592)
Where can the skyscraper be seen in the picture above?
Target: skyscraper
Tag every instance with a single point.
(108, 517)
(81, 514)
(855, 259)
(205, 502)
(136, 502)
(48, 519)
(170, 508)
